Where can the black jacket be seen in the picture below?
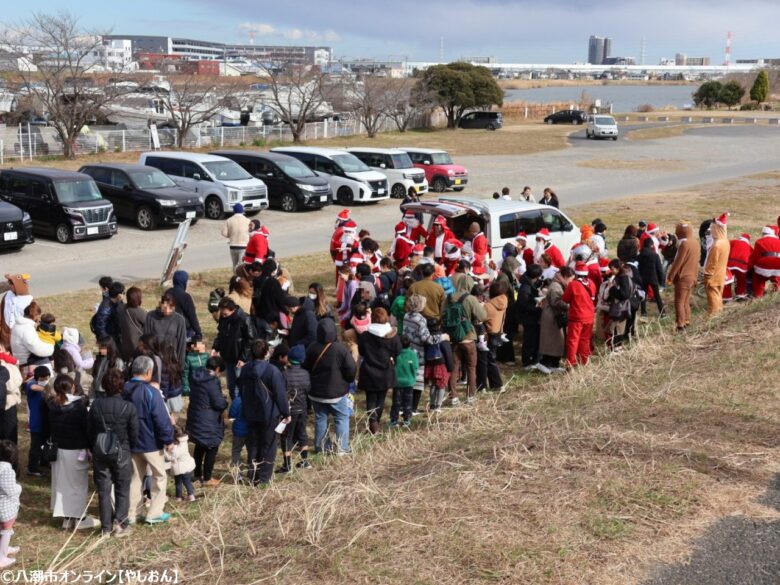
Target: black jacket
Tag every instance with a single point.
(263, 393)
(304, 327)
(650, 268)
(105, 319)
(185, 306)
(526, 310)
(205, 425)
(628, 249)
(378, 353)
(234, 337)
(267, 297)
(68, 424)
(118, 414)
(298, 384)
(332, 373)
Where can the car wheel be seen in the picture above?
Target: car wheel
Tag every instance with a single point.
(491, 126)
(550, 122)
(193, 222)
(576, 121)
(614, 138)
(214, 208)
(144, 219)
(64, 234)
(289, 203)
(458, 189)
(439, 185)
(398, 191)
(345, 196)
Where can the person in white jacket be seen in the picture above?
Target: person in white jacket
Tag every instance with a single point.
(10, 490)
(236, 230)
(182, 466)
(70, 343)
(26, 346)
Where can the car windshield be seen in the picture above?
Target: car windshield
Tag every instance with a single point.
(74, 191)
(401, 161)
(226, 171)
(151, 179)
(349, 163)
(441, 158)
(605, 121)
(296, 169)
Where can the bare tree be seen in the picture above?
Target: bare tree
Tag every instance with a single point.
(64, 84)
(371, 100)
(296, 95)
(409, 100)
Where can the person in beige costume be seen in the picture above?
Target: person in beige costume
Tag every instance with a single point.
(715, 265)
(683, 272)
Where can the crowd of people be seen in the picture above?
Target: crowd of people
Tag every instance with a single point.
(426, 324)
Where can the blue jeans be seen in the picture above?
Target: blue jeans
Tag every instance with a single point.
(231, 373)
(184, 482)
(340, 413)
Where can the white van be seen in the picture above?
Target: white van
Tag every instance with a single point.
(501, 220)
(221, 182)
(601, 126)
(396, 165)
(350, 179)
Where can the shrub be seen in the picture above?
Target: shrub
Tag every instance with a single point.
(259, 142)
(645, 108)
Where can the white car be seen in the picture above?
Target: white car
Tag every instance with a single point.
(601, 126)
(396, 165)
(501, 220)
(350, 179)
(220, 181)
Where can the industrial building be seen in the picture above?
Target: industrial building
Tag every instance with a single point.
(599, 49)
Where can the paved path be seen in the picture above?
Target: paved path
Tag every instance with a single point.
(707, 155)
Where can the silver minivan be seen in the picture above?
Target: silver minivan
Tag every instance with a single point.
(221, 182)
(602, 126)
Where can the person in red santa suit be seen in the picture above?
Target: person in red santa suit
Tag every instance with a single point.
(415, 231)
(545, 246)
(439, 234)
(580, 295)
(452, 256)
(257, 247)
(766, 260)
(335, 241)
(348, 245)
(523, 250)
(477, 246)
(652, 232)
(401, 249)
(739, 264)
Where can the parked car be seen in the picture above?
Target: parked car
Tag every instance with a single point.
(62, 204)
(350, 179)
(576, 117)
(144, 195)
(220, 181)
(440, 172)
(292, 185)
(396, 166)
(16, 228)
(501, 220)
(600, 126)
(482, 120)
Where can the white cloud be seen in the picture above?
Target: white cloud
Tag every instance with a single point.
(290, 34)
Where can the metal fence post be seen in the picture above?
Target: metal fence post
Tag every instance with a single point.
(124, 141)
(29, 142)
(2, 151)
(221, 136)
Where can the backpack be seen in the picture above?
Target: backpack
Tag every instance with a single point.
(214, 298)
(107, 447)
(433, 354)
(93, 323)
(454, 322)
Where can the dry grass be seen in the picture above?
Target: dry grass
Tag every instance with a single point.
(635, 165)
(673, 131)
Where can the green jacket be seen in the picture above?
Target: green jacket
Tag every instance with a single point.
(398, 310)
(406, 366)
(192, 361)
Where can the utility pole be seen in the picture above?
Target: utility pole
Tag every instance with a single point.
(441, 49)
(642, 51)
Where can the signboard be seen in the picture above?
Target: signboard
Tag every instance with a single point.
(155, 137)
(176, 253)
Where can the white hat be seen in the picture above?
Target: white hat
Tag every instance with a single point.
(70, 335)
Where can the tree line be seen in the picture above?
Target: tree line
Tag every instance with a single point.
(711, 94)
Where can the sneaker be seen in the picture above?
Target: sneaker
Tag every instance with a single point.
(12, 551)
(530, 368)
(213, 482)
(191, 498)
(120, 532)
(471, 400)
(88, 523)
(504, 338)
(392, 425)
(544, 369)
(179, 499)
(164, 517)
(6, 562)
(455, 401)
(482, 346)
(509, 364)
(303, 464)
(34, 473)
(416, 413)
(67, 524)
(407, 424)
(283, 469)
(558, 370)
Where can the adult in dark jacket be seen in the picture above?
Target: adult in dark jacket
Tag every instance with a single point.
(303, 330)
(110, 411)
(529, 315)
(167, 325)
(105, 322)
(131, 317)
(636, 278)
(505, 353)
(185, 306)
(298, 384)
(264, 399)
(619, 296)
(155, 433)
(267, 295)
(235, 333)
(628, 246)
(205, 425)
(332, 370)
(379, 347)
(651, 271)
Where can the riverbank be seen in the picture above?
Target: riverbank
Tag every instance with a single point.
(540, 83)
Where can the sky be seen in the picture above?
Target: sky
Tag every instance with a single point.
(519, 31)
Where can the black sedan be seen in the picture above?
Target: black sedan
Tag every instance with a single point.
(567, 117)
(145, 195)
(15, 227)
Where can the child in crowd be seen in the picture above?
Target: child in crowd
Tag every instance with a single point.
(47, 331)
(361, 317)
(196, 358)
(10, 491)
(35, 388)
(440, 277)
(182, 465)
(438, 367)
(72, 342)
(240, 431)
(280, 357)
(406, 366)
(298, 385)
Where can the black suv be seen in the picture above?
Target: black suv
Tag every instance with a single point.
(15, 227)
(292, 185)
(482, 120)
(62, 204)
(567, 117)
(144, 195)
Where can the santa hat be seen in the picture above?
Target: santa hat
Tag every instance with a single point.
(745, 238)
(722, 219)
(418, 250)
(411, 218)
(400, 228)
(581, 269)
(344, 215)
(543, 233)
(356, 259)
(604, 264)
(440, 220)
(350, 226)
(263, 231)
(768, 230)
(651, 228)
(521, 237)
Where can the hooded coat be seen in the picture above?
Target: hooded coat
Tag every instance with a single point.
(379, 347)
(234, 337)
(330, 365)
(717, 257)
(266, 402)
(25, 341)
(185, 306)
(304, 326)
(496, 313)
(473, 309)
(172, 329)
(131, 327)
(685, 267)
(551, 336)
(154, 423)
(204, 413)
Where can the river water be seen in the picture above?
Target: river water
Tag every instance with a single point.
(624, 98)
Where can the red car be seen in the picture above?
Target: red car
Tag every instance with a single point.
(439, 169)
